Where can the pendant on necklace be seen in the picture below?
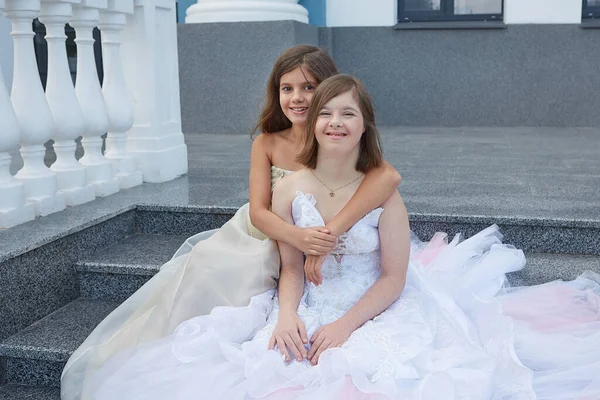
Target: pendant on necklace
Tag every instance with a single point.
(331, 194)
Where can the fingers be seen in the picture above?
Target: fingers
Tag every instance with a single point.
(272, 342)
(282, 348)
(297, 347)
(315, 342)
(325, 344)
(308, 269)
(325, 237)
(317, 270)
(303, 335)
(291, 345)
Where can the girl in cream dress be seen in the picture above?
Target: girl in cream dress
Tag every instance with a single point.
(230, 265)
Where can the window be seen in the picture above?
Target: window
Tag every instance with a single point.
(451, 10)
(591, 9)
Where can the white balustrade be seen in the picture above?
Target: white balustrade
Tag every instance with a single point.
(245, 10)
(152, 73)
(14, 209)
(137, 105)
(116, 94)
(63, 103)
(99, 170)
(33, 114)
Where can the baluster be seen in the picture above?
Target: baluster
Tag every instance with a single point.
(116, 95)
(99, 170)
(13, 208)
(63, 103)
(31, 109)
(151, 69)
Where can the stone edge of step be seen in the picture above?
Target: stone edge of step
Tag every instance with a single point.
(73, 321)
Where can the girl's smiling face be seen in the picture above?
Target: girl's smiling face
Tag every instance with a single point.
(296, 89)
(340, 124)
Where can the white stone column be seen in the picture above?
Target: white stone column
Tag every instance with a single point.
(63, 103)
(33, 114)
(13, 208)
(245, 10)
(87, 87)
(152, 72)
(116, 94)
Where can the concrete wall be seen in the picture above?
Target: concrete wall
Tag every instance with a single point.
(224, 67)
(6, 51)
(525, 75)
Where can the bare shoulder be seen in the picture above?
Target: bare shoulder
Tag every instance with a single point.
(287, 187)
(263, 142)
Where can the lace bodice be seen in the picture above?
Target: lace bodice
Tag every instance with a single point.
(278, 174)
(351, 268)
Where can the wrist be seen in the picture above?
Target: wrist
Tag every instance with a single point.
(349, 323)
(293, 233)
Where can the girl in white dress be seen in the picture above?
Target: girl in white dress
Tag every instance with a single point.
(226, 267)
(438, 325)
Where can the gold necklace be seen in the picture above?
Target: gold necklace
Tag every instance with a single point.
(332, 191)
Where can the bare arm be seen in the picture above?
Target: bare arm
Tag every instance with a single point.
(290, 332)
(394, 235)
(377, 187)
(314, 241)
(291, 280)
(260, 194)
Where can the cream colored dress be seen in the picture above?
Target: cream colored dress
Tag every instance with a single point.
(222, 267)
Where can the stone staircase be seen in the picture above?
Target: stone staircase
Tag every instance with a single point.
(130, 247)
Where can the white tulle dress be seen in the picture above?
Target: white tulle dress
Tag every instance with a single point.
(456, 332)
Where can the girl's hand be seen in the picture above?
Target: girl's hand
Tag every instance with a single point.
(314, 241)
(326, 337)
(290, 333)
(312, 269)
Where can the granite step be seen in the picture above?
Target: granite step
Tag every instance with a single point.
(37, 354)
(115, 272)
(547, 267)
(21, 392)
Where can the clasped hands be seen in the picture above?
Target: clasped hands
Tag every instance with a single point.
(316, 242)
(290, 336)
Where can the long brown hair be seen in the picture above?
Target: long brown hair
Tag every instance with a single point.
(315, 60)
(370, 154)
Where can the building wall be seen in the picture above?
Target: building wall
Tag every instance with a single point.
(6, 51)
(525, 75)
(224, 67)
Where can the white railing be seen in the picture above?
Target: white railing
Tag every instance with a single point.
(138, 104)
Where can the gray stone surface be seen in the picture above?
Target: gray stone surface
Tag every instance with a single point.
(55, 337)
(546, 267)
(224, 69)
(19, 392)
(137, 254)
(40, 281)
(113, 287)
(117, 271)
(507, 77)
(525, 175)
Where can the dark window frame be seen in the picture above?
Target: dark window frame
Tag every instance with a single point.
(446, 13)
(590, 12)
